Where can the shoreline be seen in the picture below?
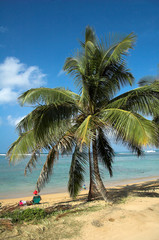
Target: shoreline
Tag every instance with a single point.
(127, 169)
(52, 198)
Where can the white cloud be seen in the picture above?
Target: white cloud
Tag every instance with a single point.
(8, 96)
(16, 77)
(16, 74)
(14, 121)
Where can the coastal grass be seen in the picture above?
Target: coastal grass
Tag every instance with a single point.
(35, 223)
(35, 215)
(26, 215)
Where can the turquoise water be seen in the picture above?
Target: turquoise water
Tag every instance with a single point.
(126, 167)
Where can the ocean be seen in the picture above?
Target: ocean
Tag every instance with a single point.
(127, 168)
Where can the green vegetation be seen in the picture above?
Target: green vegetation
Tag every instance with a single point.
(40, 227)
(27, 215)
(36, 214)
(66, 122)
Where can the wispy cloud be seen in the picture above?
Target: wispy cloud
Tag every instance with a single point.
(16, 77)
(61, 72)
(3, 29)
(14, 121)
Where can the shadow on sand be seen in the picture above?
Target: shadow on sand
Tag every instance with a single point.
(115, 195)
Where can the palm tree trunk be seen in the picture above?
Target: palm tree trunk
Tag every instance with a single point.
(99, 182)
(92, 187)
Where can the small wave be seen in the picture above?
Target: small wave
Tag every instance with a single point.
(126, 153)
(150, 151)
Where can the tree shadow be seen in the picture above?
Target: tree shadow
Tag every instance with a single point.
(139, 189)
(115, 195)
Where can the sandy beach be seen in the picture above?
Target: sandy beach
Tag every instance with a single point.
(133, 215)
(51, 198)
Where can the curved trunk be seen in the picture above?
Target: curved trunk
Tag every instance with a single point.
(92, 187)
(99, 182)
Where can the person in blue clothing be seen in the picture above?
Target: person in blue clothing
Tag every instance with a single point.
(84, 186)
(36, 199)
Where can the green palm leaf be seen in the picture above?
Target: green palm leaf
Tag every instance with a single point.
(44, 96)
(48, 121)
(115, 76)
(105, 151)
(46, 171)
(134, 148)
(64, 145)
(131, 126)
(115, 52)
(22, 146)
(77, 170)
(144, 100)
(84, 133)
(32, 162)
(147, 80)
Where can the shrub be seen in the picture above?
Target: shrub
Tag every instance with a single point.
(26, 215)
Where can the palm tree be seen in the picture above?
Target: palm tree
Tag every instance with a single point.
(64, 122)
(148, 80)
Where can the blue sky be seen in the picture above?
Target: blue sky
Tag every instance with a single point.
(36, 36)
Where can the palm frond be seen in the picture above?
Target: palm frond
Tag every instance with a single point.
(32, 162)
(75, 66)
(25, 143)
(26, 124)
(135, 149)
(105, 151)
(90, 39)
(147, 80)
(66, 143)
(46, 171)
(45, 96)
(115, 52)
(144, 100)
(48, 120)
(84, 133)
(114, 77)
(77, 170)
(131, 126)
(90, 35)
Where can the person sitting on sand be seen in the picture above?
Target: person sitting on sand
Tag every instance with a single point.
(36, 200)
(84, 187)
(22, 203)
